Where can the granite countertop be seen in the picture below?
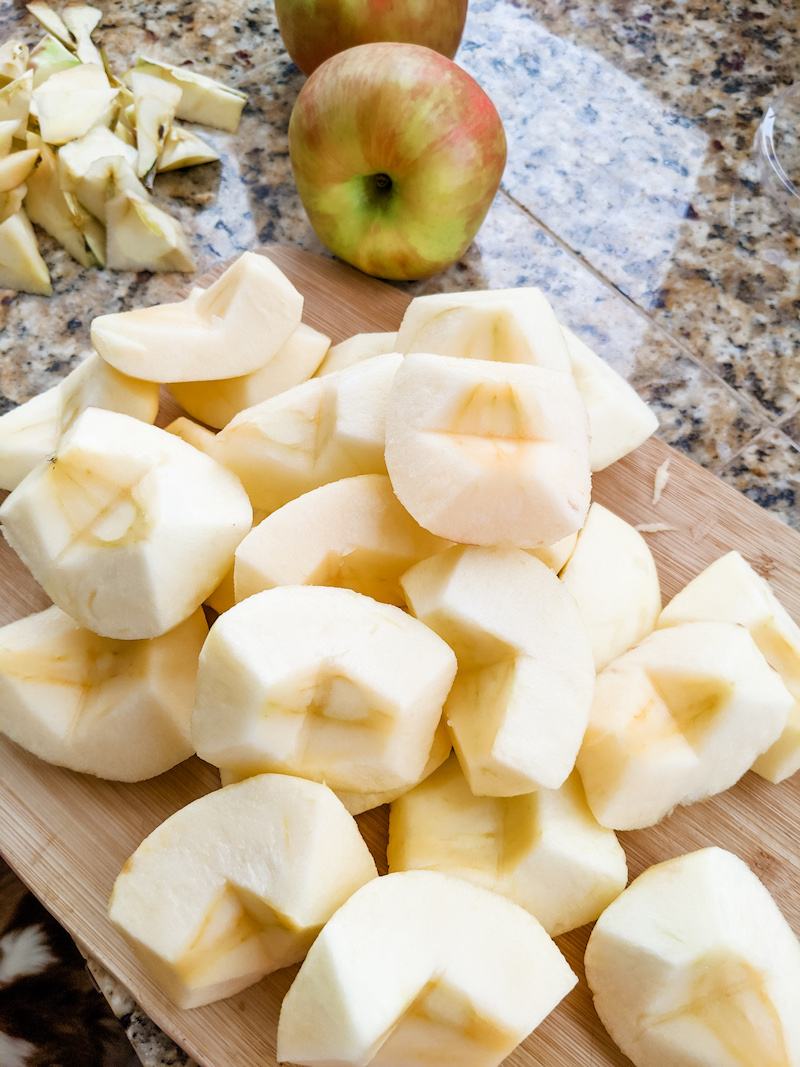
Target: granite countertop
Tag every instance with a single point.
(631, 197)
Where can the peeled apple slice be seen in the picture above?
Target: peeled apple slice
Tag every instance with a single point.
(238, 884)
(694, 966)
(613, 577)
(509, 325)
(731, 591)
(31, 432)
(21, 265)
(519, 706)
(619, 420)
(115, 709)
(316, 682)
(71, 101)
(234, 327)
(544, 850)
(217, 402)
(323, 430)
(127, 528)
(355, 349)
(353, 534)
(488, 453)
(679, 718)
(420, 968)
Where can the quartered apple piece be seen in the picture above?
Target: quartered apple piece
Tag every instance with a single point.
(203, 99)
(93, 185)
(15, 102)
(232, 328)
(544, 850)
(356, 803)
(355, 349)
(509, 325)
(316, 682)
(127, 528)
(353, 534)
(238, 884)
(182, 148)
(613, 577)
(420, 968)
(318, 432)
(731, 591)
(488, 453)
(155, 102)
(217, 402)
(679, 718)
(59, 213)
(71, 101)
(694, 965)
(31, 432)
(519, 706)
(115, 709)
(619, 420)
(21, 266)
(49, 57)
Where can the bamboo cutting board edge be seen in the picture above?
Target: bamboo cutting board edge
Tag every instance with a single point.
(67, 835)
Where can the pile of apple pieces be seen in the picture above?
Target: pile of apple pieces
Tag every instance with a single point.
(372, 462)
(79, 150)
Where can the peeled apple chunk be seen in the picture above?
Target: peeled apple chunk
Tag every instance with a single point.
(694, 966)
(355, 349)
(238, 884)
(509, 325)
(619, 420)
(217, 402)
(488, 453)
(31, 432)
(613, 577)
(127, 528)
(353, 534)
(544, 850)
(318, 432)
(420, 968)
(234, 327)
(679, 718)
(115, 709)
(324, 683)
(519, 706)
(731, 591)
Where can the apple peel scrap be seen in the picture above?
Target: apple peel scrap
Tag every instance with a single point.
(238, 884)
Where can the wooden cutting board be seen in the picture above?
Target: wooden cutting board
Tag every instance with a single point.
(67, 835)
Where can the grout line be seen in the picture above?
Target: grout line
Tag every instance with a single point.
(741, 398)
(770, 429)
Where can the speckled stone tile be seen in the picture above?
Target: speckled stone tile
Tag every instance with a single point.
(630, 133)
(768, 471)
(791, 426)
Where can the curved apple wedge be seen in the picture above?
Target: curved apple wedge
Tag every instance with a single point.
(421, 968)
(488, 453)
(544, 850)
(127, 528)
(238, 884)
(115, 709)
(694, 966)
(324, 683)
(354, 534)
(520, 703)
(676, 719)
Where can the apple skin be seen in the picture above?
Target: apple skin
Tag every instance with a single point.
(397, 154)
(315, 30)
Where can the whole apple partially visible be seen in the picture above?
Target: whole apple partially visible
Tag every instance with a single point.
(315, 30)
(397, 154)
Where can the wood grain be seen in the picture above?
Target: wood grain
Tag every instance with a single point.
(67, 835)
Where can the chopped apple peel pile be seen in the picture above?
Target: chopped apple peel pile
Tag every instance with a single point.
(419, 605)
(80, 148)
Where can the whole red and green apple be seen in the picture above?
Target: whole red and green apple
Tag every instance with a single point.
(397, 153)
(315, 30)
